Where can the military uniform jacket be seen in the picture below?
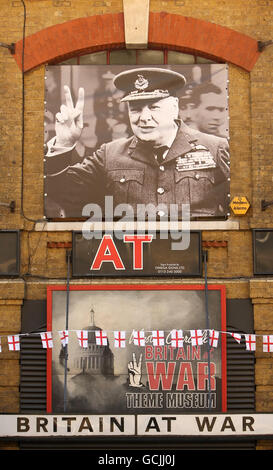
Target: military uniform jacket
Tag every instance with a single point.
(195, 171)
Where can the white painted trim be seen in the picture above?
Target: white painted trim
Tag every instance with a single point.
(96, 226)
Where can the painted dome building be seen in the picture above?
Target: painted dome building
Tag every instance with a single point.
(95, 359)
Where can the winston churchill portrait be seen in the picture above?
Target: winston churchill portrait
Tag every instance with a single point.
(159, 161)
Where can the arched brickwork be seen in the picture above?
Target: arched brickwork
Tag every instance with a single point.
(202, 37)
(166, 30)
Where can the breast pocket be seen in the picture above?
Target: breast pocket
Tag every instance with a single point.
(126, 186)
(195, 187)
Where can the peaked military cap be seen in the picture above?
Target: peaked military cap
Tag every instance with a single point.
(149, 83)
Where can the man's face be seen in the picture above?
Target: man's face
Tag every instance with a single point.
(186, 111)
(210, 113)
(152, 120)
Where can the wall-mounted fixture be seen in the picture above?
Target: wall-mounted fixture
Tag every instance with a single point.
(265, 204)
(11, 46)
(11, 205)
(263, 44)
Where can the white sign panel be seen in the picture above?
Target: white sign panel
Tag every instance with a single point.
(66, 425)
(220, 425)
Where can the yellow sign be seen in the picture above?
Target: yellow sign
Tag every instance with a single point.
(239, 205)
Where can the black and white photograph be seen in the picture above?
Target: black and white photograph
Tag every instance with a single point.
(155, 135)
(136, 378)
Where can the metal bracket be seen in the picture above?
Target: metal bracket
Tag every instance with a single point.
(11, 47)
(263, 44)
(265, 204)
(68, 255)
(11, 205)
(204, 256)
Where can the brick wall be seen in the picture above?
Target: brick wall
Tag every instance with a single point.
(251, 141)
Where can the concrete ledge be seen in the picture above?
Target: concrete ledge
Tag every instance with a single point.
(96, 226)
(12, 289)
(261, 288)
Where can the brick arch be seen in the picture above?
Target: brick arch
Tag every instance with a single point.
(168, 31)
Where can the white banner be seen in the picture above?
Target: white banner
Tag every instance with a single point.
(251, 425)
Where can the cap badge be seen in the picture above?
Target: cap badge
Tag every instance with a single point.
(141, 83)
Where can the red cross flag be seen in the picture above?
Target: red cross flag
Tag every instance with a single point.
(139, 338)
(236, 336)
(47, 341)
(14, 343)
(158, 338)
(196, 337)
(177, 339)
(120, 339)
(268, 343)
(82, 336)
(101, 338)
(250, 342)
(213, 338)
(63, 337)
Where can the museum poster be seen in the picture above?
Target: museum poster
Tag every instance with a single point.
(135, 379)
(104, 126)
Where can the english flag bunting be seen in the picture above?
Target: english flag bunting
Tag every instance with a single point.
(120, 339)
(14, 343)
(101, 338)
(47, 341)
(158, 338)
(236, 336)
(139, 338)
(82, 336)
(250, 342)
(63, 337)
(268, 343)
(177, 339)
(196, 337)
(213, 338)
(174, 337)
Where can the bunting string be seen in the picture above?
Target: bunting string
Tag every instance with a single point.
(174, 338)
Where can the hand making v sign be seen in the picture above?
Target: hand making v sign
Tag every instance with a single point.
(69, 121)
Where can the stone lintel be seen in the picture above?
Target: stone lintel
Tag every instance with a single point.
(136, 23)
